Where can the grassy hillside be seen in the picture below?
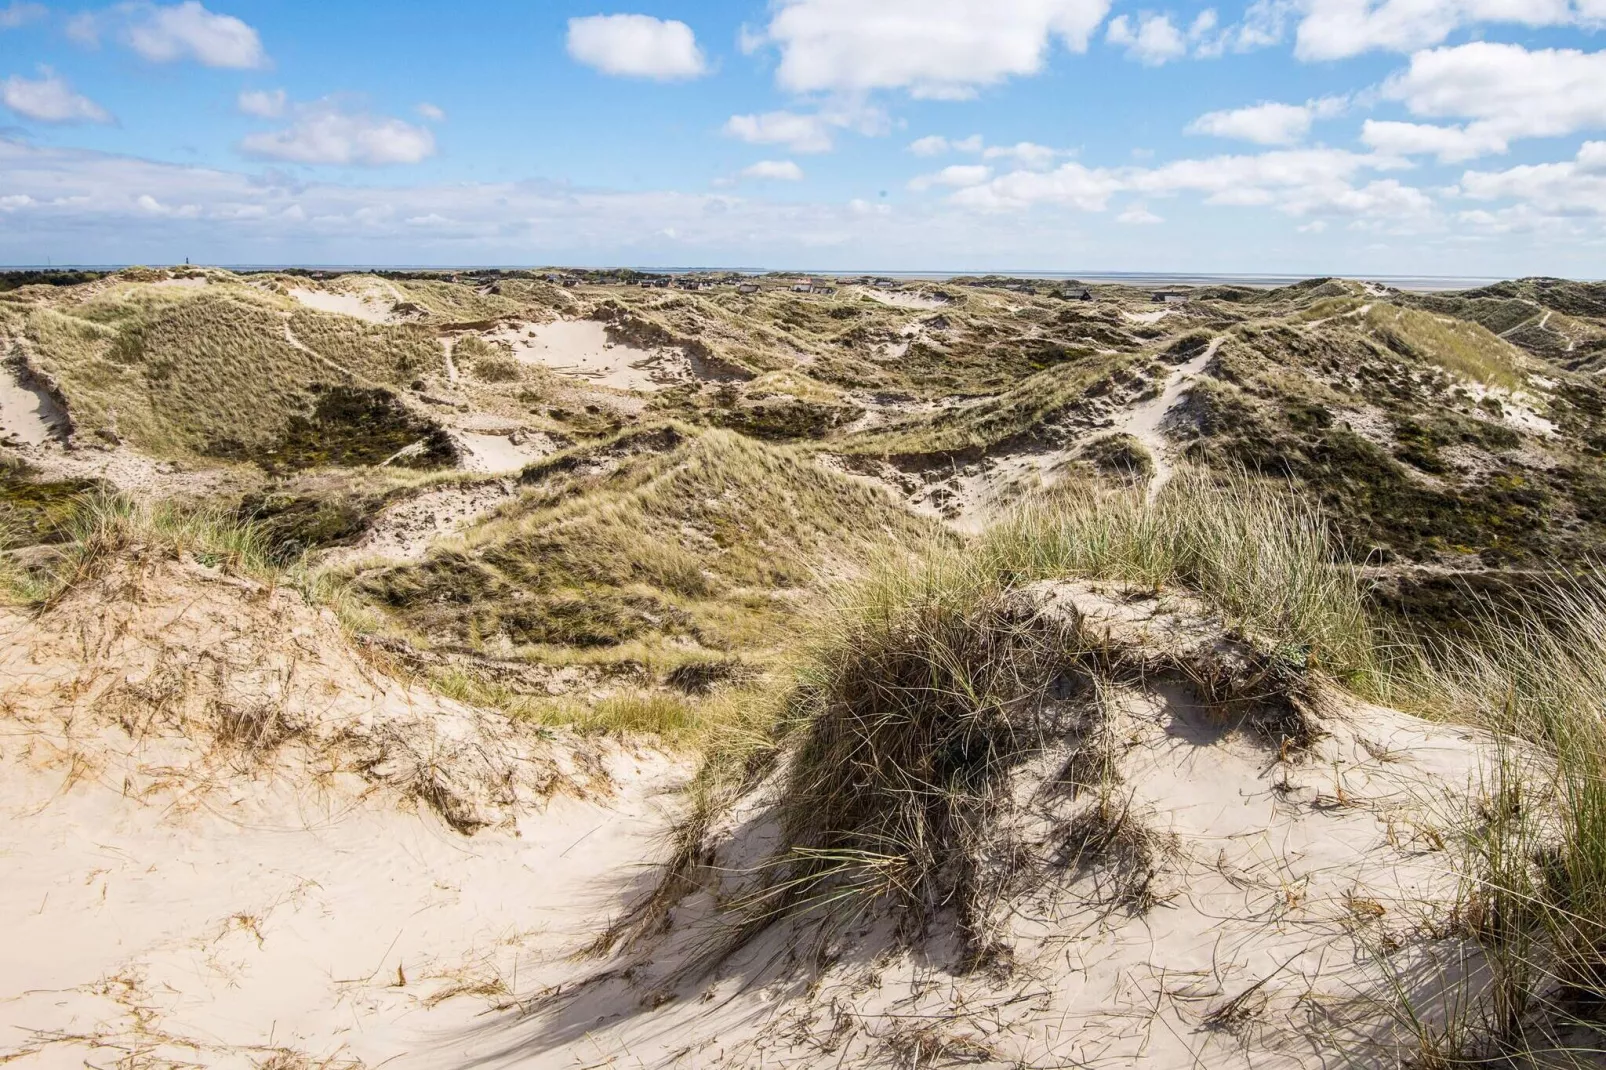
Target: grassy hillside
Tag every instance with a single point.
(226, 370)
(665, 537)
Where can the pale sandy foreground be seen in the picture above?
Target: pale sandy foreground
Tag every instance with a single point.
(231, 839)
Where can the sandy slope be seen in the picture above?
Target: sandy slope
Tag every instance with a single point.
(229, 841)
(1277, 902)
(27, 414)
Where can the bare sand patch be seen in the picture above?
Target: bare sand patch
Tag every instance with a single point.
(581, 348)
(904, 298)
(1147, 318)
(28, 415)
(491, 451)
(367, 307)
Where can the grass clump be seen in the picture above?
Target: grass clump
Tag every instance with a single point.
(104, 526)
(930, 680)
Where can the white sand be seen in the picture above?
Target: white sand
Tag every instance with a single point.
(903, 298)
(488, 451)
(404, 531)
(170, 900)
(1147, 318)
(581, 348)
(27, 414)
(369, 307)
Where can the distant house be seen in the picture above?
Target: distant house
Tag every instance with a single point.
(647, 284)
(1169, 297)
(803, 286)
(747, 288)
(1079, 295)
(825, 289)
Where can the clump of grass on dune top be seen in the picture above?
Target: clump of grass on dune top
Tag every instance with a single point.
(104, 526)
(1261, 555)
(926, 681)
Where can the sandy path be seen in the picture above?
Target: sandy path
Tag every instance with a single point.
(27, 415)
(451, 365)
(1144, 422)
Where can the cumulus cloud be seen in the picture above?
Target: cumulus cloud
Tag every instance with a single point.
(798, 132)
(946, 49)
(20, 13)
(1450, 144)
(1150, 39)
(1336, 29)
(778, 170)
(1566, 187)
(431, 112)
(1504, 92)
(1025, 153)
(805, 132)
(1299, 182)
(1153, 39)
(171, 33)
(1267, 123)
(323, 133)
(936, 145)
(956, 175)
(636, 46)
(1138, 215)
(49, 99)
(264, 103)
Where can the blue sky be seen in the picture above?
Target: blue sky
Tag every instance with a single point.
(1362, 137)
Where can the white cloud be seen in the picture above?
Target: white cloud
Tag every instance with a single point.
(1152, 40)
(1568, 187)
(1299, 182)
(431, 112)
(324, 134)
(1070, 184)
(1315, 226)
(20, 13)
(49, 99)
(937, 145)
(1449, 143)
(1270, 122)
(779, 170)
(1264, 124)
(265, 103)
(1025, 153)
(956, 175)
(1507, 91)
(861, 207)
(636, 46)
(189, 31)
(944, 49)
(808, 133)
(1138, 215)
(798, 132)
(1335, 29)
